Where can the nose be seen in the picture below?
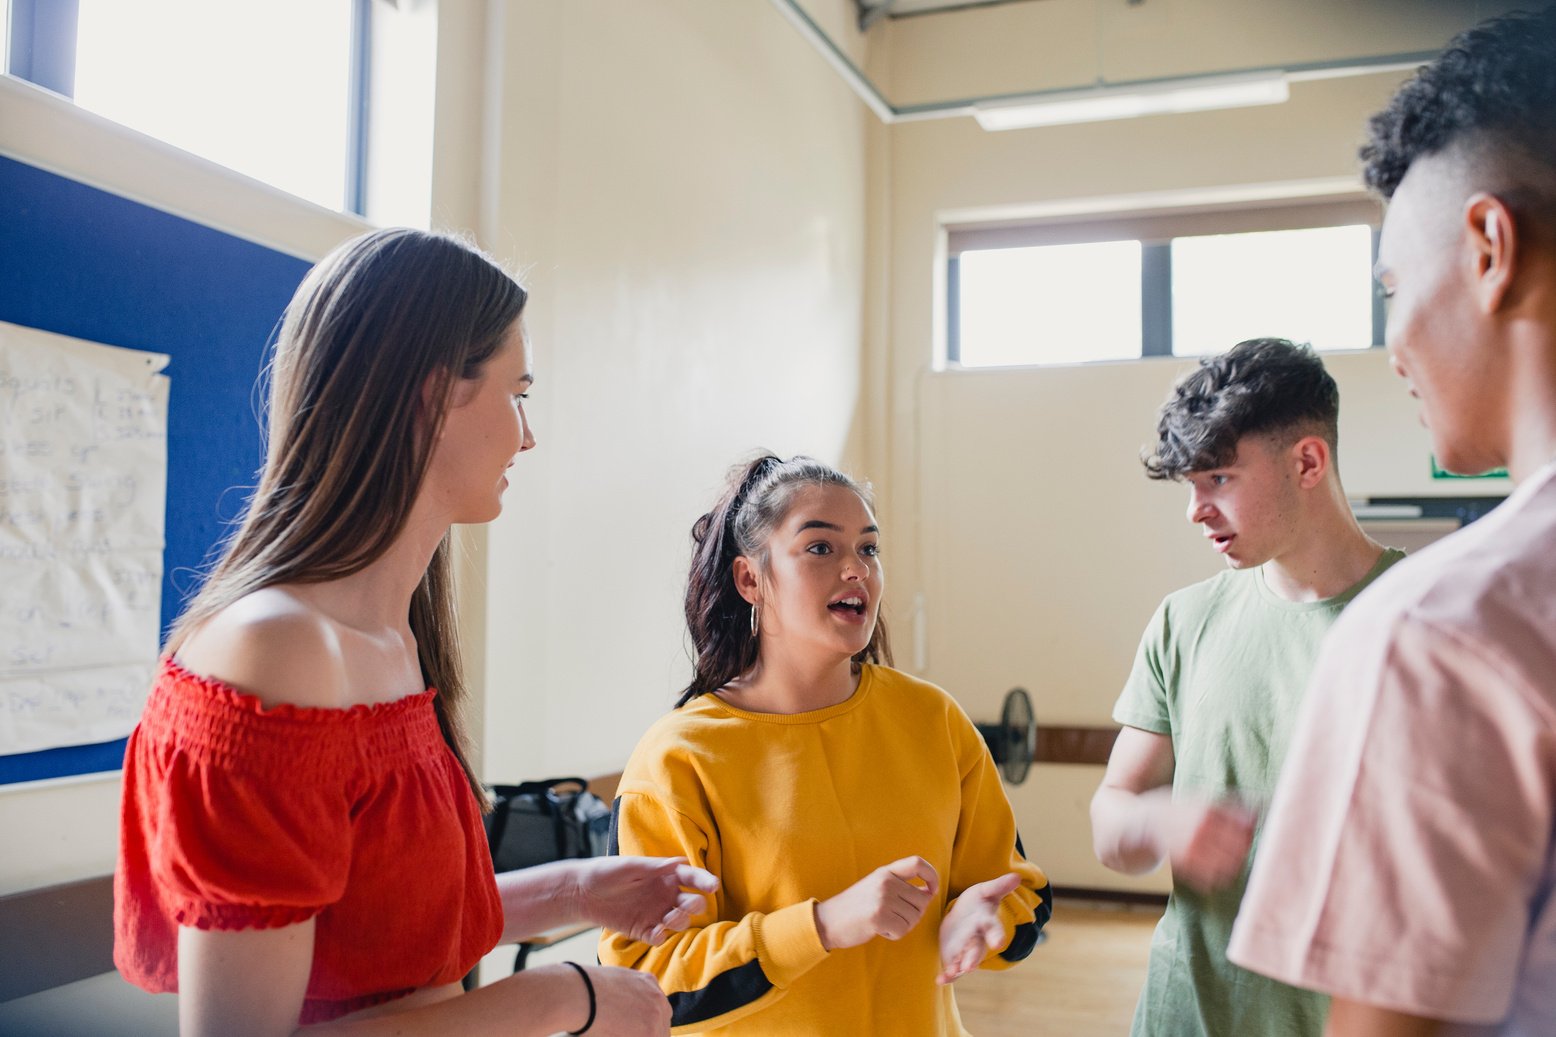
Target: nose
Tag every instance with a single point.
(854, 569)
(527, 434)
(1200, 509)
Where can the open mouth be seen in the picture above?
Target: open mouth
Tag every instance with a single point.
(1221, 541)
(852, 605)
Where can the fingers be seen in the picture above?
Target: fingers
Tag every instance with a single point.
(975, 946)
(1000, 888)
(692, 877)
(1210, 854)
(687, 906)
(888, 902)
(690, 903)
(899, 916)
(910, 868)
(960, 965)
(1212, 844)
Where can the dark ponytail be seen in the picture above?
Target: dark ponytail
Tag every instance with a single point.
(717, 617)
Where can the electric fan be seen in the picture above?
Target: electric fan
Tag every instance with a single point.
(1013, 740)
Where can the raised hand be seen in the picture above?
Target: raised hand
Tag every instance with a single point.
(972, 928)
(887, 902)
(645, 898)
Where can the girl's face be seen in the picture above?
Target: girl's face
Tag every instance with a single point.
(484, 430)
(821, 591)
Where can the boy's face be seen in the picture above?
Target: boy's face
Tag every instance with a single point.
(1250, 509)
(1435, 333)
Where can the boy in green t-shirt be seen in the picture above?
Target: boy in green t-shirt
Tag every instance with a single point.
(1209, 706)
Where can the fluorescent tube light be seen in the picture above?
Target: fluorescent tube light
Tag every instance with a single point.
(1099, 104)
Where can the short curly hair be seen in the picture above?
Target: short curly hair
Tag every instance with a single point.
(1493, 87)
(1260, 387)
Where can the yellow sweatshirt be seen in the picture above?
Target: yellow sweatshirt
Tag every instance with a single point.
(791, 809)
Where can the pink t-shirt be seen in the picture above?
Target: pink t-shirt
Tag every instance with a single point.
(1407, 861)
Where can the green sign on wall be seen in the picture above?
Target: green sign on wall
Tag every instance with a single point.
(1438, 472)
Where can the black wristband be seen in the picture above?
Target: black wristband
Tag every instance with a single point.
(588, 989)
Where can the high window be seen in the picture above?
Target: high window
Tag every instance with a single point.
(280, 91)
(1173, 284)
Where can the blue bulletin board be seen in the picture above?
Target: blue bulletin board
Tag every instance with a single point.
(82, 262)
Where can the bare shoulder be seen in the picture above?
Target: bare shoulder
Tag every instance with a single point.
(273, 645)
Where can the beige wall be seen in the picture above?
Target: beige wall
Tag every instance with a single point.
(691, 217)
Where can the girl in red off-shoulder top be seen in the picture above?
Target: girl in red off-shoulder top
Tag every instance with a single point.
(301, 838)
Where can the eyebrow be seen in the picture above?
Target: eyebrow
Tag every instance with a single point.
(819, 524)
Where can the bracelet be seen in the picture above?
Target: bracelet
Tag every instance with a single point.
(589, 989)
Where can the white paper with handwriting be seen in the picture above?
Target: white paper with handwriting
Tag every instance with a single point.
(83, 485)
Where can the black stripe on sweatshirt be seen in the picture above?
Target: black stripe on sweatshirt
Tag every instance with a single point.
(1025, 937)
(724, 993)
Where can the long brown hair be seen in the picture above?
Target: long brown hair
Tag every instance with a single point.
(350, 434)
(754, 504)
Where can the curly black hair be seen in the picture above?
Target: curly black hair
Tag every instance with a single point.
(1262, 386)
(1494, 84)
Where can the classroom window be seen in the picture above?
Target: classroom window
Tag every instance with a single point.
(280, 91)
(1312, 285)
(1058, 302)
(1162, 285)
(263, 89)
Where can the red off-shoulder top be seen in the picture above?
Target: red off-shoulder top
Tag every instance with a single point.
(235, 816)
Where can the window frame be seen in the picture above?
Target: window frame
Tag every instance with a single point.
(41, 45)
(1155, 230)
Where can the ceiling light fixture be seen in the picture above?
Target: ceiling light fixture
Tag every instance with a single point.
(1168, 97)
(1126, 100)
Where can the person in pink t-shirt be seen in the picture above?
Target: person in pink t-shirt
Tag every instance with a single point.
(1409, 858)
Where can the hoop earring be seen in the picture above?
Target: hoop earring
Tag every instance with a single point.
(756, 619)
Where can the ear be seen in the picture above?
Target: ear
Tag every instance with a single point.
(748, 580)
(1492, 235)
(1312, 459)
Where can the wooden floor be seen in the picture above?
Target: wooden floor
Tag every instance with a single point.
(1080, 982)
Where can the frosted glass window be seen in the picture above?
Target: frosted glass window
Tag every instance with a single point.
(1307, 285)
(1051, 304)
(262, 88)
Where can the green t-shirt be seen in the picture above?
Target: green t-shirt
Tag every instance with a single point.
(1222, 668)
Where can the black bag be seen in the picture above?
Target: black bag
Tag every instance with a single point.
(542, 821)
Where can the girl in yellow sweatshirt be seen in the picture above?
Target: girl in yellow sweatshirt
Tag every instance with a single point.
(867, 852)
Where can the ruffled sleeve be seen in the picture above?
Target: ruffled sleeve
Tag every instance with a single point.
(243, 813)
(238, 816)
(246, 849)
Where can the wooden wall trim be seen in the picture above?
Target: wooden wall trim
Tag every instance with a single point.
(1090, 745)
